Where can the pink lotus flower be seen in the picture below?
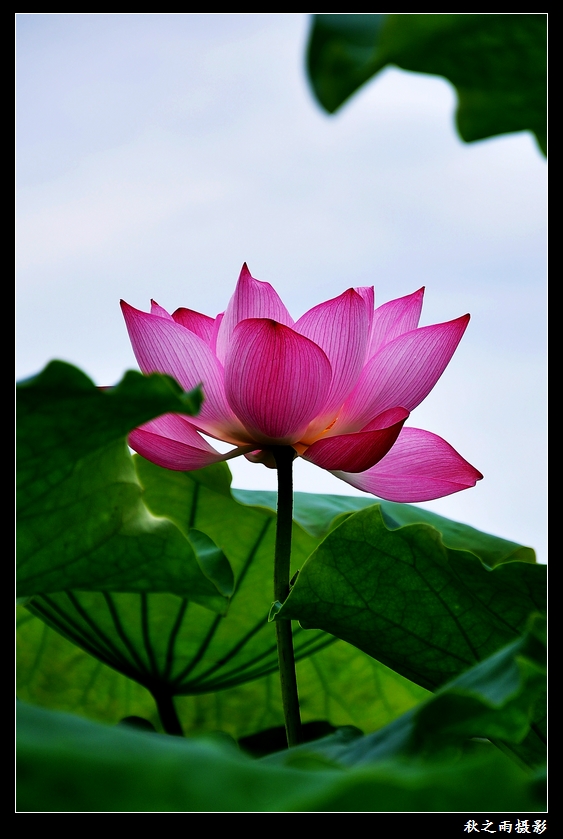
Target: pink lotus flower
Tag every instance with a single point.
(337, 385)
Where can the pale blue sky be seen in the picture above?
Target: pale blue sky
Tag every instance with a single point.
(158, 152)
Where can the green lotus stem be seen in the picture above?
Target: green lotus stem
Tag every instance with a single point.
(284, 456)
(167, 712)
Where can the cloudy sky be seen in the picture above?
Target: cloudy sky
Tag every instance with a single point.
(158, 152)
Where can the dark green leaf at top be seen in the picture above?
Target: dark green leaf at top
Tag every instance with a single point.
(497, 63)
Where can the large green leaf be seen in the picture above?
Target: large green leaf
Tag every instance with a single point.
(191, 652)
(498, 699)
(66, 764)
(427, 611)
(497, 63)
(82, 523)
(169, 644)
(339, 684)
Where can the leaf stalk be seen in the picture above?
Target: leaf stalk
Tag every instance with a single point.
(284, 456)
